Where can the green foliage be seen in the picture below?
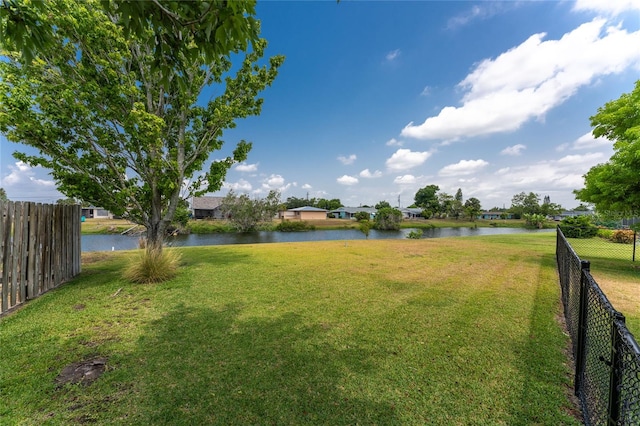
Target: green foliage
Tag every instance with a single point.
(472, 208)
(365, 227)
(152, 266)
(322, 203)
(294, 226)
(113, 107)
(182, 214)
(615, 185)
(179, 30)
(388, 219)
(415, 235)
(205, 226)
(523, 203)
(427, 199)
(360, 216)
(623, 236)
(3, 195)
(535, 220)
(67, 201)
(382, 205)
(605, 233)
(578, 227)
(246, 213)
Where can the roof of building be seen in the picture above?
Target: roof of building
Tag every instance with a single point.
(206, 203)
(354, 210)
(308, 209)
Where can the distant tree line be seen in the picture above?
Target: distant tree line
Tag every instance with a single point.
(321, 203)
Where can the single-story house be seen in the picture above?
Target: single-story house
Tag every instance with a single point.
(92, 212)
(206, 207)
(350, 212)
(572, 213)
(303, 213)
(495, 215)
(411, 213)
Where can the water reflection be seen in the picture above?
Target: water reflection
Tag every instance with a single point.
(123, 242)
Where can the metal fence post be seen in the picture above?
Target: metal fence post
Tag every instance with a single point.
(585, 267)
(616, 360)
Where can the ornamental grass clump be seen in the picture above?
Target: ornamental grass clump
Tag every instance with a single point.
(152, 266)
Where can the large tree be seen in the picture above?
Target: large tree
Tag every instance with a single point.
(524, 203)
(615, 185)
(119, 120)
(472, 208)
(427, 199)
(247, 213)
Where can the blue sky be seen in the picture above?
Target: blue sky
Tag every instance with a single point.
(377, 99)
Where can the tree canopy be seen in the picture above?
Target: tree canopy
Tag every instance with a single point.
(615, 185)
(247, 213)
(115, 113)
(427, 199)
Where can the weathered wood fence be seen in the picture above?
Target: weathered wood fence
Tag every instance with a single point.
(39, 249)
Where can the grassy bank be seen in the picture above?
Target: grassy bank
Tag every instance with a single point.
(111, 226)
(439, 332)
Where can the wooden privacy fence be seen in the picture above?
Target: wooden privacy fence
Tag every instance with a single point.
(39, 249)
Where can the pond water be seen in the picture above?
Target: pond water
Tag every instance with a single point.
(124, 242)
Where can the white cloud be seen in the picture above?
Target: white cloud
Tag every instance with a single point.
(482, 11)
(404, 159)
(239, 186)
(513, 150)
(587, 141)
(394, 142)
(577, 160)
(368, 175)
(528, 80)
(426, 91)
(347, 180)
(246, 168)
(274, 181)
(405, 180)
(306, 186)
(463, 167)
(347, 160)
(393, 55)
(607, 7)
(27, 183)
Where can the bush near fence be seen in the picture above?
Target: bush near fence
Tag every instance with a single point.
(39, 249)
(607, 356)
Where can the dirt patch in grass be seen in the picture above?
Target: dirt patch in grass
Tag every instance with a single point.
(83, 372)
(624, 295)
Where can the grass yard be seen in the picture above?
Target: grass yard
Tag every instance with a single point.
(616, 274)
(451, 331)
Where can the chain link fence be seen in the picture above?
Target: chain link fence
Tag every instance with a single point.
(607, 357)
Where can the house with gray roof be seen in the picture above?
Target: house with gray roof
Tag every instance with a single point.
(350, 212)
(206, 207)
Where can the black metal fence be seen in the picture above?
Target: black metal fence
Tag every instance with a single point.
(607, 357)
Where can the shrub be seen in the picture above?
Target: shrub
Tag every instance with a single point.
(605, 233)
(623, 236)
(388, 219)
(415, 235)
(365, 227)
(294, 226)
(578, 227)
(360, 216)
(152, 266)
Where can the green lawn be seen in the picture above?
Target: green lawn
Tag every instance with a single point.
(433, 331)
(616, 273)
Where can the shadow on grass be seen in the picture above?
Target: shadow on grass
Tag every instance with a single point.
(542, 361)
(202, 366)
